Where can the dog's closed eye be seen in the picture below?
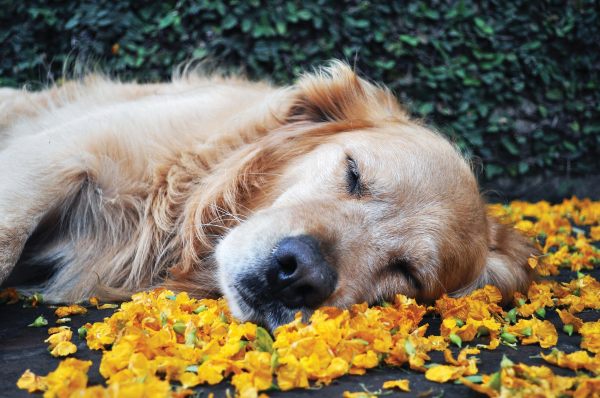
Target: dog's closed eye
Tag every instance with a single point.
(404, 267)
(353, 177)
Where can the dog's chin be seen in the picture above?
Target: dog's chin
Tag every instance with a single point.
(270, 314)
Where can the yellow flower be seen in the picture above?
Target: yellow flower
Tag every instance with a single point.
(188, 379)
(587, 388)
(479, 305)
(575, 360)
(366, 361)
(443, 373)
(107, 306)
(74, 309)
(31, 382)
(290, 374)
(58, 329)
(595, 233)
(521, 380)
(63, 348)
(99, 335)
(159, 337)
(69, 376)
(533, 330)
(590, 332)
(401, 384)
(569, 319)
(60, 336)
(211, 371)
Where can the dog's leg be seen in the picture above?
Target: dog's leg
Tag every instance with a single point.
(37, 176)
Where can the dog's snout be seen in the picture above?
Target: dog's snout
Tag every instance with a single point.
(299, 275)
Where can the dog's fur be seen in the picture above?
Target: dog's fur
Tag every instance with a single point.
(190, 185)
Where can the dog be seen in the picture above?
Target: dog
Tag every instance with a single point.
(282, 199)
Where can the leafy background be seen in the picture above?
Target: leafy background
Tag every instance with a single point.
(515, 84)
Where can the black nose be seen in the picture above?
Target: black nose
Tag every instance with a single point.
(298, 275)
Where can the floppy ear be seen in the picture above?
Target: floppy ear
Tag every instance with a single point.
(506, 262)
(335, 93)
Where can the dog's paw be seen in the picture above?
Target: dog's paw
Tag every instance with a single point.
(12, 241)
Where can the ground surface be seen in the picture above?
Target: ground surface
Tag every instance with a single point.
(23, 347)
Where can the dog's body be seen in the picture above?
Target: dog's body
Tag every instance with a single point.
(280, 198)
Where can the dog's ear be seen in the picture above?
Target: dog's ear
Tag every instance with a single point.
(335, 94)
(506, 264)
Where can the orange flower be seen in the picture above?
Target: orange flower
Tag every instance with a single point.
(69, 376)
(575, 360)
(533, 330)
(63, 348)
(590, 332)
(569, 319)
(31, 382)
(443, 373)
(524, 381)
(74, 309)
(159, 337)
(401, 384)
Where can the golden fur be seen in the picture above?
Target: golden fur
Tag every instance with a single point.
(119, 187)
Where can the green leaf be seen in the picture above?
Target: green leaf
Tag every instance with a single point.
(568, 329)
(509, 145)
(554, 94)
(264, 341)
(495, 381)
(190, 337)
(39, 322)
(361, 341)
(492, 170)
(484, 27)
(570, 146)
(478, 379)
(201, 308)
(179, 327)
(281, 27)
(223, 317)
(246, 25)
(541, 312)
(425, 108)
(229, 21)
(274, 359)
(304, 15)
(506, 362)
(409, 347)
(523, 167)
(385, 64)
(410, 40)
(168, 20)
(482, 331)
(508, 338)
(454, 338)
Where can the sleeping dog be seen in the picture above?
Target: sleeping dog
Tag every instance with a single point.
(282, 199)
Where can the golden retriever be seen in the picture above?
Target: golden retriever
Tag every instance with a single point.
(282, 199)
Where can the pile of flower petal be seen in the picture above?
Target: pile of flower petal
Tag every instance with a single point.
(164, 344)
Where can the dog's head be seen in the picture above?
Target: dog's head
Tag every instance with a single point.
(356, 204)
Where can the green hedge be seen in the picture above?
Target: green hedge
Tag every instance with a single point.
(516, 83)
